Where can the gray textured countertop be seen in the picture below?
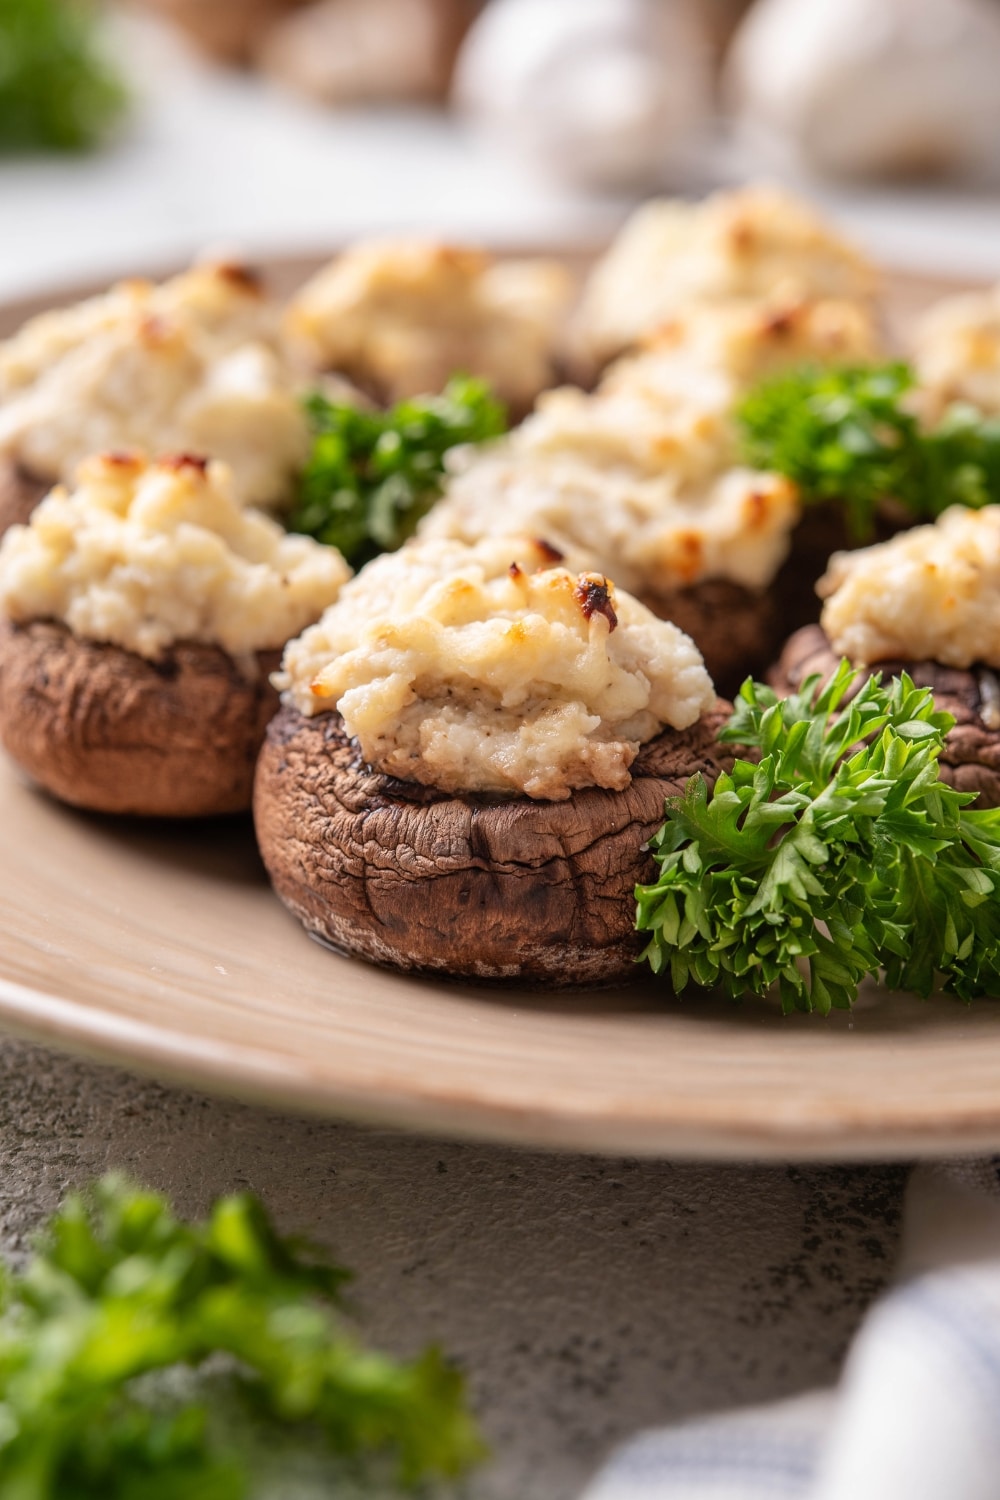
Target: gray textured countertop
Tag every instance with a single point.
(584, 1297)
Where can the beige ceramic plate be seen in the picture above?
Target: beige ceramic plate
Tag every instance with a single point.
(162, 948)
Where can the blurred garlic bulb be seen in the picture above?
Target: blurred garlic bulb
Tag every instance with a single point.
(359, 51)
(604, 92)
(868, 88)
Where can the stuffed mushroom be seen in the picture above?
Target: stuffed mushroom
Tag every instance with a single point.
(956, 354)
(735, 248)
(474, 746)
(928, 603)
(400, 317)
(644, 476)
(189, 366)
(142, 613)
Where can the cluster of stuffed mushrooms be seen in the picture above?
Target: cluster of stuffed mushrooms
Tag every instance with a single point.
(457, 756)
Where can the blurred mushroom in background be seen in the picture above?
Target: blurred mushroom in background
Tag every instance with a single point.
(604, 93)
(228, 30)
(399, 316)
(362, 51)
(871, 88)
(720, 19)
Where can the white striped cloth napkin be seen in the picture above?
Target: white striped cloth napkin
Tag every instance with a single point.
(917, 1413)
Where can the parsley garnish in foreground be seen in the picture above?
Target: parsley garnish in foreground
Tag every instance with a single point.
(56, 91)
(373, 475)
(120, 1290)
(848, 436)
(839, 854)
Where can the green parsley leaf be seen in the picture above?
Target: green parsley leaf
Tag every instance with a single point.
(121, 1292)
(372, 476)
(836, 854)
(848, 436)
(961, 460)
(56, 90)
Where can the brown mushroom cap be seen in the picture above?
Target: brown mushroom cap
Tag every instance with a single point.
(736, 629)
(105, 729)
(20, 492)
(821, 531)
(471, 886)
(970, 760)
(230, 30)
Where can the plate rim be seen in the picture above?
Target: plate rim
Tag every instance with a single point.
(36, 1014)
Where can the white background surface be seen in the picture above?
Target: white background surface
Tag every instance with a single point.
(212, 158)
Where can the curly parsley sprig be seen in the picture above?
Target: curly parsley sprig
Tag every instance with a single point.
(372, 475)
(839, 853)
(120, 1292)
(849, 436)
(57, 90)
